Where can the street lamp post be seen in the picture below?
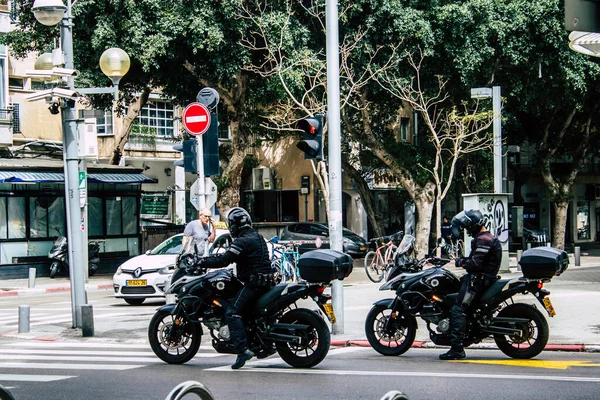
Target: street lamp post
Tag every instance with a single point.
(50, 13)
(495, 93)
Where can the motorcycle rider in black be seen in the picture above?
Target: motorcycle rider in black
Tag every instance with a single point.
(250, 253)
(482, 267)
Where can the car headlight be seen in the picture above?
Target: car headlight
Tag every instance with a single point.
(166, 270)
(119, 271)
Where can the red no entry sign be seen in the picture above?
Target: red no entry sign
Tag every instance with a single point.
(196, 118)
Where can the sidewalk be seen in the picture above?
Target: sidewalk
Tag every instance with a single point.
(576, 327)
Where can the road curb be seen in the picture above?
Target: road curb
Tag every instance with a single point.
(572, 348)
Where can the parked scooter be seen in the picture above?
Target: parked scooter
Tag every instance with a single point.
(60, 263)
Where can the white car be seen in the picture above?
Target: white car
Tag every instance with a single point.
(148, 275)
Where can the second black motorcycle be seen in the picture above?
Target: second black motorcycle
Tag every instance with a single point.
(299, 335)
(519, 329)
(60, 262)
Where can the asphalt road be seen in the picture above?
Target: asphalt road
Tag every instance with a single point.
(55, 362)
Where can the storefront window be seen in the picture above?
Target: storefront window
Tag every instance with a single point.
(16, 217)
(95, 216)
(583, 220)
(129, 216)
(113, 216)
(3, 227)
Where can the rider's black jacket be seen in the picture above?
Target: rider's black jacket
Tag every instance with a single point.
(485, 257)
(250, 253)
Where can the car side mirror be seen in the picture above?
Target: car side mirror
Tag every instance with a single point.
(148, 252)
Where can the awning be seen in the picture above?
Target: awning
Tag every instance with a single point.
(58, 177)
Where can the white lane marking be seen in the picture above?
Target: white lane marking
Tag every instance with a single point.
(76, 352)
(71, 345)
(33, 378)
(79, 358)
(406, 374)
(53, 366)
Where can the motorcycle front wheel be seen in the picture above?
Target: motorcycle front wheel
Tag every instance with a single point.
(533, 335)
(171, 341)
(397, 337)
(54, 267)
(314, 340)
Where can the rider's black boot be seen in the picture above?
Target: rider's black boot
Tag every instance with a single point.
(242, 358)
(453, 354)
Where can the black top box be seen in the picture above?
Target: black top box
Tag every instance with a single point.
(325, 265)
(543, 262)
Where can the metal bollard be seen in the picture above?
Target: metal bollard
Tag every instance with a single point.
(87, 320)
(577, 256)
(528, 246)
(549, 244)
(32, 272)
(24, 319)
(519, 255)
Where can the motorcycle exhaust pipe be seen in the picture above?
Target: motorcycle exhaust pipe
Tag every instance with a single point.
(280, 337)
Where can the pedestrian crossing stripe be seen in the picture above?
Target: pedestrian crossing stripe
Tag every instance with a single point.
(33, 378)
(549, 364)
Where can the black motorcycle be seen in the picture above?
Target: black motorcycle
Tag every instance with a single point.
(519, 329)
(300, 336)
(60, 262)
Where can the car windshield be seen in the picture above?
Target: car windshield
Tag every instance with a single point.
(169, 246)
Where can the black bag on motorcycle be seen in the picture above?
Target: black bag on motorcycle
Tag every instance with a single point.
(543, 262)
(323, 266)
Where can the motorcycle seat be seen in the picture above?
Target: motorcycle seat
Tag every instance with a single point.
(269, 298)
(493, 290)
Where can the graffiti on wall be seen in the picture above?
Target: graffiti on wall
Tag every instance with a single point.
(495, 216)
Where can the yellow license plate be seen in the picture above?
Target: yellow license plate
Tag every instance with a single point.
(548, 306)
(136, 282)
(329, 311)
(363, 249)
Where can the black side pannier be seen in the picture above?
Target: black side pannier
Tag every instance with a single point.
(543, 262)
(324, 265)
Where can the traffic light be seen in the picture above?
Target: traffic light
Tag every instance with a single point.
(188, 148)
(312, 143)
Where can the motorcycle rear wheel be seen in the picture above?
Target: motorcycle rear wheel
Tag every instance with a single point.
(534, 335)
(314, 343)
(54, 267)
(93, 267)
(177, 347)
(375, 272)
(396, 342)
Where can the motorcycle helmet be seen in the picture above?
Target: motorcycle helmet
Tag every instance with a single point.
(470, 220)
(237, 220)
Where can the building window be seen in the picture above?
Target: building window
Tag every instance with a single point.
(583, 220)
(156, 118)
(2, 82)
(15, 217)
(121, 215)
(404, 122)
(15, 83)
(104, 124)
(16, 118)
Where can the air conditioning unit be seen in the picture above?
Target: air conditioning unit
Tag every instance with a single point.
(262, 179)
(88, 139)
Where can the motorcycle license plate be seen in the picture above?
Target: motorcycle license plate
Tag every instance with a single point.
(329, 311)
(136, 282)
(548, 306)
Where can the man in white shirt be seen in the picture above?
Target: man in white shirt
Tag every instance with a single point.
(198, 234)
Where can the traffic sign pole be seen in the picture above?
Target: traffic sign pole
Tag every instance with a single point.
(200, 180)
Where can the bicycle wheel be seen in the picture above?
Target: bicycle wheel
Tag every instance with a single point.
(374, 270)
(276, 263)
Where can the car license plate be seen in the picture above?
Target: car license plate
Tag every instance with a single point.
(136, 282)
(363, 249)
(548, 306)
(329, 311)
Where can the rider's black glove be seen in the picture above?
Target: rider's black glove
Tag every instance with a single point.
(460, 262)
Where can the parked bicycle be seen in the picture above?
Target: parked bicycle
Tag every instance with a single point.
(285, 259)
(452, 248)
(377, 262)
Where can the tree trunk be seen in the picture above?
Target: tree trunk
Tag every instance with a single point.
(122, 135)
(366, 197)
(424, 201)
(560, 222)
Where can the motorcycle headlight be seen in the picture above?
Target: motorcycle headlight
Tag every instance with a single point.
(119, 271)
